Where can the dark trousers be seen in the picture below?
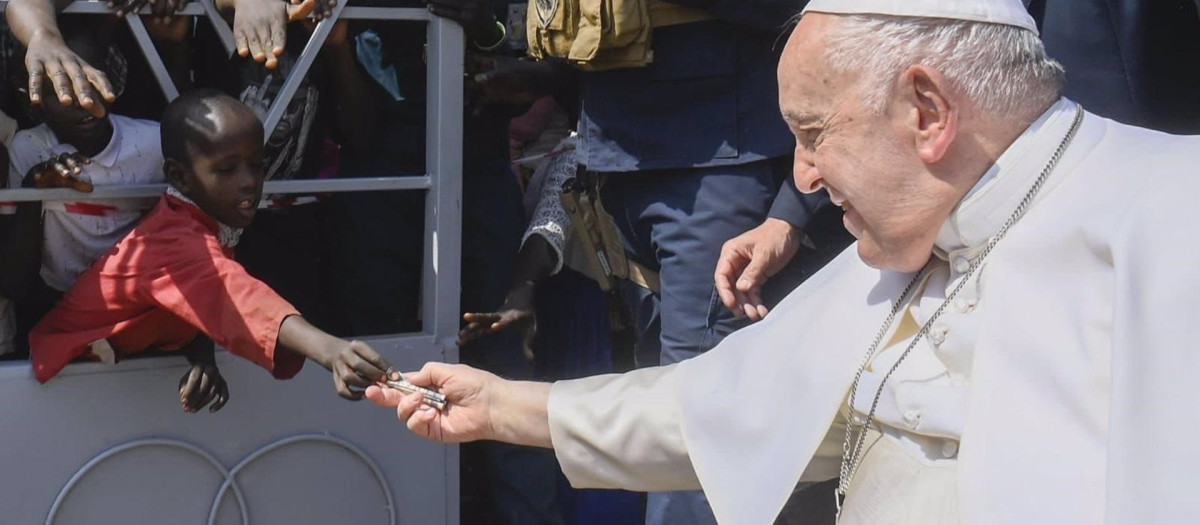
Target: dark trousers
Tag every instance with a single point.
(378, 262)
(675, 222)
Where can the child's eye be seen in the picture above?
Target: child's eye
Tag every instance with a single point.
(223, 169)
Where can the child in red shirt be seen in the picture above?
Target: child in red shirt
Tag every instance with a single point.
(173, 278)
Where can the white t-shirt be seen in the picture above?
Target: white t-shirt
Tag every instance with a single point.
(77, 233)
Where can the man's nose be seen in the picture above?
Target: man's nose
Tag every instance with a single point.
(808, 179)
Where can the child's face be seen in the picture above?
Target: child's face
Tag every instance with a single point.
(73, 124)
(226, 174)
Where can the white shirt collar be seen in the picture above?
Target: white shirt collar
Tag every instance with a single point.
(228, 236)
(992, 201)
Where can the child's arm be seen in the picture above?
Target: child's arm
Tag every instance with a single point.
(202, 383)
(353, 363)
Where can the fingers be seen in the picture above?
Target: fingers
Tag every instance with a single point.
(375, 367)
(222, 390)
(37, 72)
(278, 39)
(60, 80)
(99, 81)
(729, 266)
(297, 11)
(385, 397)
(324, 9)
(241, 42)
(339, 384)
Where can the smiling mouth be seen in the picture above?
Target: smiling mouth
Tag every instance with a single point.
(246, 204)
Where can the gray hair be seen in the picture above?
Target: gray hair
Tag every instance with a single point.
(1003, 69)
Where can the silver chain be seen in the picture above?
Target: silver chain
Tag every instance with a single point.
(855, 432)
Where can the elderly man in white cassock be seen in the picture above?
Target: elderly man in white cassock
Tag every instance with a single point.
(1013, 339)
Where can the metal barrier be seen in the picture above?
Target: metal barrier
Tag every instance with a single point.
(62, 425)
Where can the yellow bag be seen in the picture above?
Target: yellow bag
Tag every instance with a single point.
(597, 35)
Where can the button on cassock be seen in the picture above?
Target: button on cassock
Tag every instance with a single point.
(949, 449)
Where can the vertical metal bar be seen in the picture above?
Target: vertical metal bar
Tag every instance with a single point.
(299, 70)
(224, 33)
(152, 57)
(443, 206)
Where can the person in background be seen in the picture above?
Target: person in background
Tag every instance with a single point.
(55, 241)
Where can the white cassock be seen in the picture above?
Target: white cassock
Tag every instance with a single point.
(1070, 367)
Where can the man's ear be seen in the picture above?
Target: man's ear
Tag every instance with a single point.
(174, 172)
(932, 113)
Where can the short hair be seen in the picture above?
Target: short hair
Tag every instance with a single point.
(186, 120)
(1001, 68)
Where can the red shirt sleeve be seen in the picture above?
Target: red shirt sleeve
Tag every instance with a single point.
(202, 285)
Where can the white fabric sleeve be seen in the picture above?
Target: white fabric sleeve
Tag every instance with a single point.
(622, 431)
(549, 220)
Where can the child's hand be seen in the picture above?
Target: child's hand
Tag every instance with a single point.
(201, 385)
(358, 365)
(61, 171)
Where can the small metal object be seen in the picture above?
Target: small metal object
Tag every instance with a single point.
(432, 398)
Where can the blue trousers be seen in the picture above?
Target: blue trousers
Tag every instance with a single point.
(675, 221)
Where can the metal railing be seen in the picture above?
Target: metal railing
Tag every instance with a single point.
(443, 183)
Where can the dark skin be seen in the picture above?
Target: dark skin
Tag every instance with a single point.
(202, 384)
(50, 61)
(224, 177)
(72, 125)
(259, 26)
(534, 263)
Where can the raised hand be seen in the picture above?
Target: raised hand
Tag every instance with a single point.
(259, 27)
(61, 171)
(517, 312)
(72, 78)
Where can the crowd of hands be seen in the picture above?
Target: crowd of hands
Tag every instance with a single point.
(746, 262)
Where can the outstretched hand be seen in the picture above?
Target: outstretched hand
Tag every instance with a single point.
(260, 27)
(356, 365)
(748, 260)
(466, 418)
(516, 312)
(74, 80)
(61, 171)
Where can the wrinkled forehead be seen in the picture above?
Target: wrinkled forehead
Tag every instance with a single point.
(805, 78)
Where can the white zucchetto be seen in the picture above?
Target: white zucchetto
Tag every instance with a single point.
(1007, 12)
